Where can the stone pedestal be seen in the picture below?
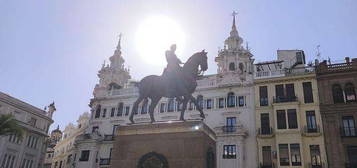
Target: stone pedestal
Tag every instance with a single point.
(188, 144)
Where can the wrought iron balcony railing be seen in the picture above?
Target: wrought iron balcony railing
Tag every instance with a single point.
(104, 161)
(285, 99)
(229, 129)
(265, 131)
(311, 129)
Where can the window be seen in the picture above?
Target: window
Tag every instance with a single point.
(241, 101)
(95, 129)
(200, 101)
(112, 112)
(279, 91)
(171, 105)
(84, 155)
(120, 109)
(231, 100)
(300, 57)
(295, 154)
(229, 152)
(290, 92)
(209, 103)
(162, 107)
(97, 111)
(263, 94)
(232, 66)
(349, 128)
(115, 127)
(352, 155)
(221, 103)
(8, 161)
(231, 122)
(104, 112)
(127, 110)
(311, 121)
(69, 158)
(337, 94)
(281, 119)
(350, 92)
(267, 159)
(265, 124)
(308, 95)
(292, 119)
(315, 156)
(144, 108)
(284, 155)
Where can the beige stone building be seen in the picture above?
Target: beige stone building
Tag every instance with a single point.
(64, 154)
(288, 117)
(28, 152)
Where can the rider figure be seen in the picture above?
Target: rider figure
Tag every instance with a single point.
(172, 71)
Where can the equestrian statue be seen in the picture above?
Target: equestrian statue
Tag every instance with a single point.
(175, 82)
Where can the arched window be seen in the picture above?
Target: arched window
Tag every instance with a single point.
(120, 109)
(97, 111)
(350, 92)
(232, 66)
(200, 101)
(170, 105)
(337, 94)
(231, 100)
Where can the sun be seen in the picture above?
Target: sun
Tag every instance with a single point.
(155, 35)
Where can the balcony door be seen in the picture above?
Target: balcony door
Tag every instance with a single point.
(264, 123)
(231, 122)
(352, 155)
(267, 159)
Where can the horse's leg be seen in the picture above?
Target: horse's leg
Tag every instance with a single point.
(184, 106)
(152, 106)
(135, 108)
(193, 99)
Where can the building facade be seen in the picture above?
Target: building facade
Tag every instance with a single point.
(64, 155)
(55, 137)
(337, 92)
(29, 151)
(226, 97)
(290, 132)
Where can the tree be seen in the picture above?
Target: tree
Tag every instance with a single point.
(10, 126)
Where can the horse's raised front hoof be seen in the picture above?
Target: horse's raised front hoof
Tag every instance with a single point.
(202, 116)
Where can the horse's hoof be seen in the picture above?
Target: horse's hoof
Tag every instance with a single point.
(182, 119)
(202, 116)
(152, 121)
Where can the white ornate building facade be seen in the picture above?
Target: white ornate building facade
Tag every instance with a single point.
(226, 97)
(28, 152)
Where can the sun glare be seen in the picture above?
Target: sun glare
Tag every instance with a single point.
(155, 35)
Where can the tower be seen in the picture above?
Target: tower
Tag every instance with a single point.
(234, 59)
(112, 76)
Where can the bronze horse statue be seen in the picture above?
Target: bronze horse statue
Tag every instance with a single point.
(153, 87)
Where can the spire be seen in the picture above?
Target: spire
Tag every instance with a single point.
(119, 42)
(234, 32)
(116, 61)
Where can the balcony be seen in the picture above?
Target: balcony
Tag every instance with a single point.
(229, 129)
(264, 101)
(348, 132)
(108, 137)
(104, 161)
(265, 132)
(310, 131)
(262, 165)
(285, 99)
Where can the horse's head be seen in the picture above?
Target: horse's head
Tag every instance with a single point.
(202, 60)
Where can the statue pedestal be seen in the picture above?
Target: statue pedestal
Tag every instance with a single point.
(189, 144)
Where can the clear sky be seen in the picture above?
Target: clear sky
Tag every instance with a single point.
(52, 50)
